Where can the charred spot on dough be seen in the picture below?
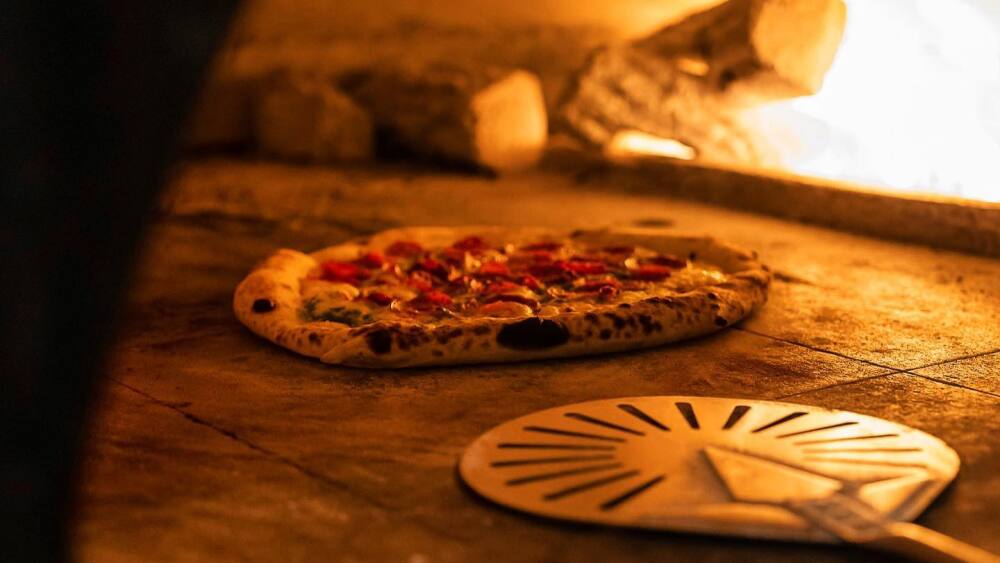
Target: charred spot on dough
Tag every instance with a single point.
(721, 321)
(314, 338)
(379, 341)
(693, 256)
(624, 306)
(533, 334)
(649, 325)
(712, 296)
(591, 317)
(606, 334)
(263, 306)
(618, 321)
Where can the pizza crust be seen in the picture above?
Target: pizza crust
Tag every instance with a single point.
(269, 301)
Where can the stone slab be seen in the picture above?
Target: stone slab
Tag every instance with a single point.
(966, 420)
(979, 372)
(213, 444)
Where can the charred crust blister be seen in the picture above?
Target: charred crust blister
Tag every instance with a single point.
(533, 334)
(720, 321)
(263, 306)
(379, 341)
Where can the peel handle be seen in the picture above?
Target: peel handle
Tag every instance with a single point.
(924, 544)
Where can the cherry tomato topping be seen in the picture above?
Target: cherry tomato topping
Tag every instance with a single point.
(607, 292)
(347, 272)
(379, 298)
(531, 282)
(472, 243)
(650, 272)
(404, 248)
(585, 267)
(501, 287)
(433, 267)
(373, 259)
(494, 269)
(550, 272)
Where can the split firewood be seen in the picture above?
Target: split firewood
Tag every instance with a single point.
(689, 81)
(489, 119)
(307, 119)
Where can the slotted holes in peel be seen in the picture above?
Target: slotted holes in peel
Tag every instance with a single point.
(641, 462)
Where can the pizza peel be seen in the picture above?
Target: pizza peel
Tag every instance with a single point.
(755, 469)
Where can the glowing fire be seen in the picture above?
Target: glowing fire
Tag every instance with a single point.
(912, 102)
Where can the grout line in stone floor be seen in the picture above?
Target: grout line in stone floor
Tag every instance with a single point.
(270, 454)
(298, 467)
(817, 349)
(869, 362)
(953, 384)
(960, 358)
(840, 384)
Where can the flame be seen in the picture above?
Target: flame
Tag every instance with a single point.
(912, 102)
(632, 142)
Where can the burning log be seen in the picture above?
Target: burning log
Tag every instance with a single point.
(484, 118)
(688, 80)
(305, 118)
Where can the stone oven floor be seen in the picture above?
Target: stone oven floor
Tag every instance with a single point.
(211, 444)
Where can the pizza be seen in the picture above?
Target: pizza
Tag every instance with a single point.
(446, 295)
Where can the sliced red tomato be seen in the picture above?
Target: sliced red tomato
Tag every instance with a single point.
(531, 282)
(404, 248)
(585, 267)
(553, 272)
(501, 287)
(650, 272)
(494, 269)
(346, 272)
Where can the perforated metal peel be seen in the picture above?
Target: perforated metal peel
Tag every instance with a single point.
(657, 462)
